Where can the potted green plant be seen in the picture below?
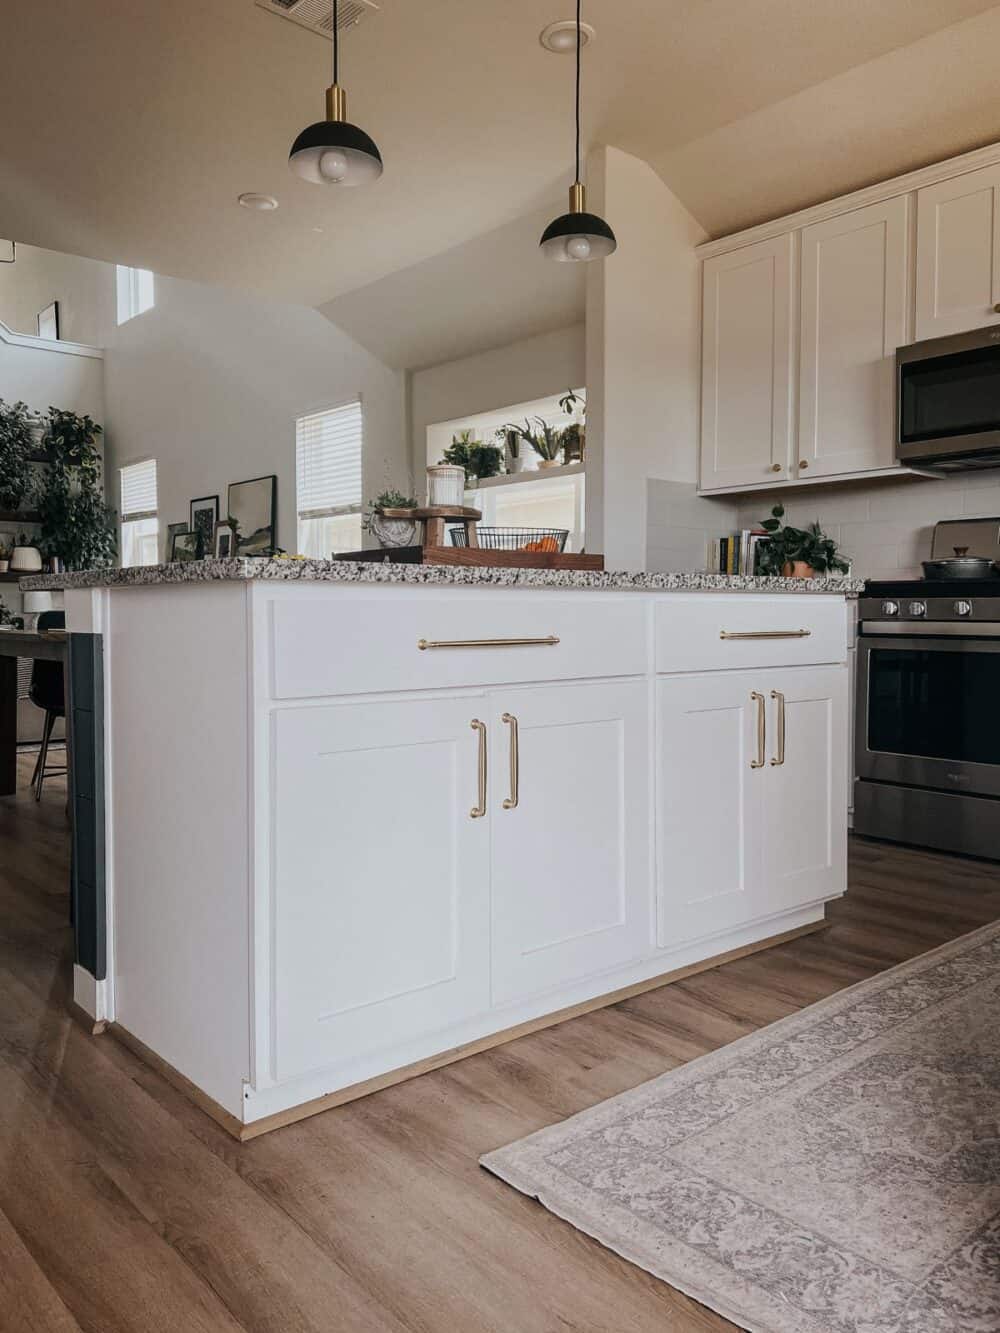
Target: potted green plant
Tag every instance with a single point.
(574, 436)
(77, 526)
(5, 549)
(544, 439)
(25, 557)
(388, 518)
(798, 553)
(509, 437)
(16, 446)
(479, 460)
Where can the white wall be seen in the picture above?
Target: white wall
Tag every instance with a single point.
(84, 289)
(520, 372)
(643, 353)
(209, 382)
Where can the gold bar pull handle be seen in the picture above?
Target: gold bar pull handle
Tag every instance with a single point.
(779, 758)
(515, 763)
(549, 641)
(765, 634)
(479, 810)
(758, 699)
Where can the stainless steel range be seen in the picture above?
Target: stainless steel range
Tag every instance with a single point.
(927, 752)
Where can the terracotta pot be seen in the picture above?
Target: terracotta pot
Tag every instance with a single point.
(549, 462)
(797, 569)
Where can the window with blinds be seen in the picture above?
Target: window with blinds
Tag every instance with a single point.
(140, 525)
(328, 449)
(139, 490)
(134, 290)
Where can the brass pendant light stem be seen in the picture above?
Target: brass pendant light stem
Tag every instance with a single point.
(336, 102)
(577, 198)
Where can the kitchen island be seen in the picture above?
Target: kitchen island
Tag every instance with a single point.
(361, 820)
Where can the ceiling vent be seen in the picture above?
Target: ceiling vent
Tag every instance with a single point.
(317, 15)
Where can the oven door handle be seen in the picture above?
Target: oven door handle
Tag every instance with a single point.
(923, 629)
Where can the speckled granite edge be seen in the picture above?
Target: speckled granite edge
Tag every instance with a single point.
(341, 571)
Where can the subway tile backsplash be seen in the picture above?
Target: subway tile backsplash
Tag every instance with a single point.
(883, 526)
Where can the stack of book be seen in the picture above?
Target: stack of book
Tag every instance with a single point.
(736, 553)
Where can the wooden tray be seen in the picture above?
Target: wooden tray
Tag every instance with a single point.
(467, 555)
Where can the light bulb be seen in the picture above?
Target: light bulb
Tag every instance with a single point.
(578, 247)
(333, 165)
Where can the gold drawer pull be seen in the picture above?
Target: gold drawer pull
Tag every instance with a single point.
(548, 642)
(765, 634)
(515, 763)
(779, 758)
(758, 699)
(479, 810)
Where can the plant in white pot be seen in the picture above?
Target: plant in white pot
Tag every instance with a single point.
(388, 518)
(544, 439)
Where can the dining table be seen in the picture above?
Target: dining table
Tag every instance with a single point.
(46, 645)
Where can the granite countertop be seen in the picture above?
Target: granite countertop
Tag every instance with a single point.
(343, 571)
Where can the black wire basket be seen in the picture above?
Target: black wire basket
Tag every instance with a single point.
(552, 540)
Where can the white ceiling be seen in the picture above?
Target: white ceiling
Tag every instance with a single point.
(130, 126)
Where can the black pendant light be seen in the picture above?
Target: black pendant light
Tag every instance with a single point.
(578, 236)
(333, 151)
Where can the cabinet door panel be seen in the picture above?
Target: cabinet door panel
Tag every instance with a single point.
(380, 919)
(805, 815)
(707, 803)
(854, 271)
(570, 862)
(958, 243)
(746, 364)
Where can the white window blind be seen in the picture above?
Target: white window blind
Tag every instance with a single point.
(138, 482)
(328, 461)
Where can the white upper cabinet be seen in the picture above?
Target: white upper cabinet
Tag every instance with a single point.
(853, 317)
(958, 248)
(746, 365)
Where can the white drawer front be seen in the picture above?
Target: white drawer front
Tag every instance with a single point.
(360, 646)
(722, 632)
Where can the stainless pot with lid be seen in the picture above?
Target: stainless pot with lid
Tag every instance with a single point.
(959, 566)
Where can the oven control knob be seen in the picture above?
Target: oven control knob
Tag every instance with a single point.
(918, 608)
(890, 608)
(963, 608)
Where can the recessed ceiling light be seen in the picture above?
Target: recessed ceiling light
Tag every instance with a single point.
(260, 203)
(560, 37)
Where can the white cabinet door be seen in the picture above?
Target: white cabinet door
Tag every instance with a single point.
(570, 871)
(854, 272)
(380, 920)
(708, 793)
(805, 787)
(958, 248)
(746, 365)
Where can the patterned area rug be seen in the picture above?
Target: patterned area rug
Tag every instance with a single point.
(836, 1172)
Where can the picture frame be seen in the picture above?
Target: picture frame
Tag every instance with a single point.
(185, 546)
(203, 519)
(225, 542)
(172, 530)
(252, 507)
(47, 322)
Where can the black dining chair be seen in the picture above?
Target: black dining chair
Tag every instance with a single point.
(48, 692)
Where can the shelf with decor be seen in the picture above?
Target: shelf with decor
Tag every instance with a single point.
(535, 474)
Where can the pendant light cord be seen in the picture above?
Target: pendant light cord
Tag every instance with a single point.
(336, 45)
(578, 4)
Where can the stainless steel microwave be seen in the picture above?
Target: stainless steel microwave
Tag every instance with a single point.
(948, 401)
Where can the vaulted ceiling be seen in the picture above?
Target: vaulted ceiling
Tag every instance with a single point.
(130, 126)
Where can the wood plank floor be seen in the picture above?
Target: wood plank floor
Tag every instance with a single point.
(125, 1210)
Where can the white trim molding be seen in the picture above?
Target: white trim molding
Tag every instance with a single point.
(987, 156)
(49, 344)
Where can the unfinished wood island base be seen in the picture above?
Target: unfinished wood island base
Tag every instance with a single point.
(357, 830)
